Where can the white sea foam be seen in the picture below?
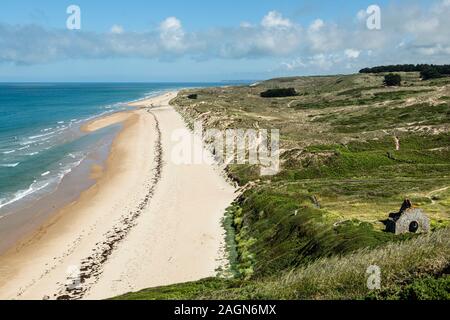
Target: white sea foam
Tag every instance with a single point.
(39, 185)
(154, 94)
(41, 135)
(23, 193)
(10, 165)
(45, 139)
(38, 139)
(8, 152)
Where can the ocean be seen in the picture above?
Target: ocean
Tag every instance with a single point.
(40, 140)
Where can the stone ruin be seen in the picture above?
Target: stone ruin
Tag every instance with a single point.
(408, 220)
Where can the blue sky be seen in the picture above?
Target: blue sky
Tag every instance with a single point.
(139, 40)
(140, 15)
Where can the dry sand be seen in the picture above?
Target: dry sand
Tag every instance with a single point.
(146, 222)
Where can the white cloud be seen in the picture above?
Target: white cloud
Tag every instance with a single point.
(172, 34)
(274, 19)
(434, 50)
(324, 37)
(117, 29)
(441, 6)
(422, 25)
(316, 25)
(424, 35)
(171, 24)
(361, 15)
(294, 64)
(322, 61)
(245, 24)
(275, 36)
(352, 53)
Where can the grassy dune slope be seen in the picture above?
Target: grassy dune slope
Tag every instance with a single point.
(352, 150)
(410, 270)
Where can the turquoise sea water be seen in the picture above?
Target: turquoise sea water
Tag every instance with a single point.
(40, 140)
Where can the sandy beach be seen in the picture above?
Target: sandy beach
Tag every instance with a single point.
(146, 221)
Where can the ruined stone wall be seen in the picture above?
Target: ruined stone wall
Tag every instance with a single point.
(412, 220)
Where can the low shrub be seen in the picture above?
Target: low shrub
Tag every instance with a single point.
(279, 93)
(392, 79)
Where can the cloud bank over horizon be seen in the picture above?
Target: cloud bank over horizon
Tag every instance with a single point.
(409, 34)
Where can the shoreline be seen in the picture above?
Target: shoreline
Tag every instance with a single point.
(17, 225)
(104, 220)
(28, 215)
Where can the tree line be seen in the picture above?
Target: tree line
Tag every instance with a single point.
(427, 71)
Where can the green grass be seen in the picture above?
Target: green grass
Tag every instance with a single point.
(356, 98)
(279, 228)
(388, 117)
(373, 158)
(426, 288)
(356, 92)
(415, 269)
(184, 291)
(230, 241)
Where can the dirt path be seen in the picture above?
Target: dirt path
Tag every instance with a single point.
(430, 194)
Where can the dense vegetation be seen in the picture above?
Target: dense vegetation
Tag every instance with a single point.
(279, 93)
(431, 73)
(353, 150)
(441, 69)
(392, 80)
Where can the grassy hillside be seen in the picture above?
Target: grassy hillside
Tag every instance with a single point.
(352, 151)
(414, 269)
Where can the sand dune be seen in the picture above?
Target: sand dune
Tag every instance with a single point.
(146, 222)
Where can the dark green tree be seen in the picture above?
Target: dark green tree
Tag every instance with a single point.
(279, 93)
(392, 79)
(430, 73)
(441, 69)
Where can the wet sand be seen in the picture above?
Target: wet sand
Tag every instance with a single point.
(26, 216)
(145, 222)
